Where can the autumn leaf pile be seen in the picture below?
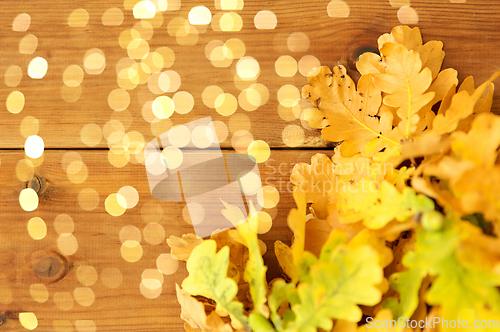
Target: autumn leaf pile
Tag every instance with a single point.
(400, 222)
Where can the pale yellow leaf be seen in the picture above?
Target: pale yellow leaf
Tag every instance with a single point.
(181, 247)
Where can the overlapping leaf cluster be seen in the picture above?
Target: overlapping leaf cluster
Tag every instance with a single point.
(402, 220)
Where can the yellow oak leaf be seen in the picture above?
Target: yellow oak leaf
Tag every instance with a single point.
(405, 82)
(404, 35)
(478, 191)
(192, 310)
(181, 248)
(349, 115)
(481, 143)
(318, 182)
(462, 106)
(370, 63)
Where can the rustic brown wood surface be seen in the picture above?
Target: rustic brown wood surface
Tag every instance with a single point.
(57, 109)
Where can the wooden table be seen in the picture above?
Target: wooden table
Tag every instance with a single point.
(76, 278)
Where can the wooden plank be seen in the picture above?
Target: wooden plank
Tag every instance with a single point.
(97, 235)
(468, 30)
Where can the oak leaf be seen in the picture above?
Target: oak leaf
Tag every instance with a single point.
(405, 81)
(181, 248)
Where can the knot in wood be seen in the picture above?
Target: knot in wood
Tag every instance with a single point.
(37, 183)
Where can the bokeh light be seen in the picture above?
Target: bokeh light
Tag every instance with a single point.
(37, 68)
(265, 19)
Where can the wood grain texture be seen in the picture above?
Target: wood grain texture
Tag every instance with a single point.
(470, 32)
(97, 233)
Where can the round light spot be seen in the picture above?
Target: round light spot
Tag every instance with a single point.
(71, 94)
(289, 113)
(86, 275)
(167, 264)
(114, 205)
(268, 197)
(64, 224)
(67, 244)
(259, 151)
(230, 22)
(152, 278)
(265, 19)
(144, 28)
(112, 17)
(288, 95)
(293, 136)
(202, 137)
(28, 44)
(167, 55)
(238, 122)
(338, 8)
(111, 277)
(63, 300)
(261, 222)
(154, 233)
(173, 157)
(307, 63)
(249, 99)
(80, 176)
(248, 68)
(91, 134)
(15, 102)
(407, 15)
(25, 169)
(286, 66)
(226, 104)
(163, 107)
(84, 296)
(236, 47)
(221, 131)
(28, 320)
(150, 293)
(298, 42)
(39, 293)
(169, 81)
(28, 199)
(130, 233)
(200, 15)
(210, 94)
(34, 146)
(131, 251)
(37, 68)
(85, 325)
(193, 213)
(250, 183)
(241, 140)
(13, 76)
(183, 101)
(151, 212)
(21, 22)
(78, 18)
(138, 49)
(179, 136)
(88, 199)
(73, 76)
(37, 228)
(118, 100)
(94, 61)
(144, 10)
(131, 196)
